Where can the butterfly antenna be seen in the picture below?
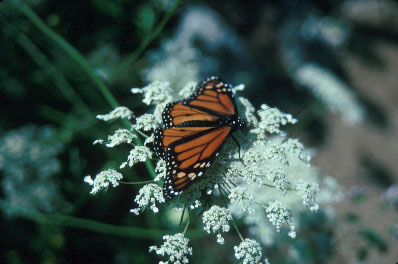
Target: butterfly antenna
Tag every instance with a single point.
(239, 149)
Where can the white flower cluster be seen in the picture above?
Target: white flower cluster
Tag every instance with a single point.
(161, 170)
(216, 220)
(390, 196)
(177, 64)
(148, 196)
(103, 179)
(240, 196)
(271, 120)
(308, 191)
(146, 122)
(331, 31)
(155, 93)
(249, 251)
(332, 91)
(119, 112)
(278, 214)
(158, 94)
(120, 136)
(137, 154)
(28, 163)
(175, 247)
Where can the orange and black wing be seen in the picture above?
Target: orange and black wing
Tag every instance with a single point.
(189, 152)
(211, 99)
(194, 133)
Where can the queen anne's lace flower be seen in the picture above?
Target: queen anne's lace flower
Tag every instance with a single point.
(271, 119)
(331, 90)
(103, 179)
(308, 192)
(155, 93)
(175, 247)
(240, 196)
(177, 63)
(120, 136)
(249, 251)
(28, 163)
(148, 196)
(146, 122)
(160, 170)
(137, 154)
(119, 112)
(216, 220)
(294, 147)
(188, 89)
(278, 177)
(278, 214)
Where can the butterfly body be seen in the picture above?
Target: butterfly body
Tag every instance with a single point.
(194, 131)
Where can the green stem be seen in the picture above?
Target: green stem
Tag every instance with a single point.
(272, 186)
(141, 133)
(60, 82)
(81, 61)
(187, 224)
(140, 182)
(145, 43)
(232, 217)
(76, 222)
(69, 49)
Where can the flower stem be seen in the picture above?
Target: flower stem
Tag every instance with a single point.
(80, 60)
(140, 182)
(232, 217)
(141, 133)
(69, 49)
(76, 222)
(145, 43)
(188, 222)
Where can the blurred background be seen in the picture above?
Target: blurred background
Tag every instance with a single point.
(332, 64)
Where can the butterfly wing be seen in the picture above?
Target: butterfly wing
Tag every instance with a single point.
(211, 99)
(165, 136)
(188, 157)
(179, 113)
(192, 135)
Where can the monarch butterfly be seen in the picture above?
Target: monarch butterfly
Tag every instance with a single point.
(194, 131)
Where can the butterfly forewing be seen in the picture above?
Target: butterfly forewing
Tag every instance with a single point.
(213, 96)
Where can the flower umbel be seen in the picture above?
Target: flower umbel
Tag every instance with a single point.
(119, 112)
(137, 154)
(148, 196)
(249, 251)
(175, 247)
(103, 179)
(216, 220)
(120, 136)
(278, 214)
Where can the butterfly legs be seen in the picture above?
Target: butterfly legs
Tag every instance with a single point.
(238, 149)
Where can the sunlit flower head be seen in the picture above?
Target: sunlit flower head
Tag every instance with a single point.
(249, 251)
(175, 247)
(103, 179)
